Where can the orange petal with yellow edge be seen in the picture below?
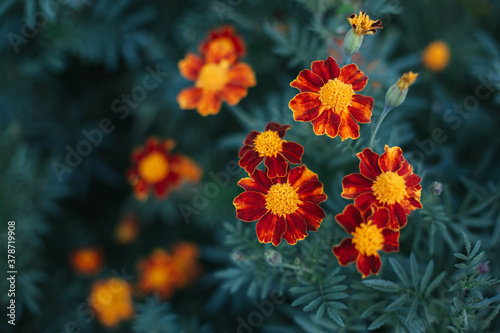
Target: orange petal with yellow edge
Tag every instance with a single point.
(189, 98)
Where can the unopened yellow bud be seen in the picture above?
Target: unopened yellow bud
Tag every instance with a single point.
(396, 94)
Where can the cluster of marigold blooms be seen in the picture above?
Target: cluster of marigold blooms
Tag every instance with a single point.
(285, 200)
(161, 273)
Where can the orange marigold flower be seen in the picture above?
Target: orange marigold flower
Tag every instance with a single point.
(214, 83)
(369, 237)
(362, 25)
(385, 181)
(156, 169)
(329, 101)
(436, 56)
(87, 261)
(223, 43)
(270, 147)
(285, 207)
(127, 230)
(111, 299)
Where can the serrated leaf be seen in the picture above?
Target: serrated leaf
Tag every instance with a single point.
(477, 259)
(476, 248)
(306, 298)
(427, 275)
(303, 290)
(397, 303)
(399, 270)
(413, 310)
(414, 270)
(382, 285)
(466, 241)
(369, 310)
(379, 322)
(338, 295)
(337, 305)
(437, 280)
(320, 312)
(461, 256)
(313, 304)
(462, 266)
(334, 315)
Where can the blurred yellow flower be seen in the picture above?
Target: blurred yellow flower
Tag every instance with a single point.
(436, 56)
(111, 299)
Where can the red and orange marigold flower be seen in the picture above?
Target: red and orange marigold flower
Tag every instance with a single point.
(111, 299)
(155, 169)
(328, 99)
(369, 236)
(385, 181)
(285, 207)
(87, 260)
(269, 146)
(223, 43)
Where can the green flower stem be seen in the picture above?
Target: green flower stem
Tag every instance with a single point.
(297, 268)
(377, 126)
(346, 60)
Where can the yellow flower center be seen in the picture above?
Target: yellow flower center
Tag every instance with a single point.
(157, 276)
(153, 167)
(389, 188)
(282, 199)
(213, 76)
(368, 239)
(268, 143)
(406, 80)
(362, 24)
(336, 94)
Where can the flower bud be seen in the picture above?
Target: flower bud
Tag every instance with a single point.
(273, 257)
(482, 268)
(351, 44)
(396, 94)
(361, 25)
(436, 188)
(237, 256)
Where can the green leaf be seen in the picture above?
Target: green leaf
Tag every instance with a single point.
(475, 249)
(461, 256)
(462, 266)
(337, 305)
(414, 270)
(413, 310)
(477, 259)
(398, 303)
(467, 242)
(306, 298)
(379, 321)
(427, 275)
(320, 312)
(437, 280)
(382, 285)
(368, 311)
(334, 315)
(313, 304)
(399, 270)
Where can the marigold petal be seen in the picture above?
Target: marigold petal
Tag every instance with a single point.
(350, 74)
(311, 213)
(292, 152)
(141, 190)
(306, 106)
(411, 180)
(300, 175)
(348, 128)
(327, 69)
(361, 108)
(380, 217)
(415, 203)
(258, 182)
(250, 161)
(364, 201)
(311, 191)
(161, 189)
(345, 252)
(350, 218)
(368, 164)
(243, 150)
(190, 66)
(276, 166)
(249, 140)
(307, 81)
(232, 94)
(367, 265)
(241, 74)
(391, 240)
(355, 184)
(328, 122)
(209, 103)
(280, 129)
(270, 228)
(391, 159)
(397, 217)
(250, 206)
(296, 229)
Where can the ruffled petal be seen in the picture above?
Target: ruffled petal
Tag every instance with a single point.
(391, 159)
(312, 214)
(189, 98)
(368, 164)
(258, 182)
(391, 240)
(411, 180)
(250, 206)
(348, 128)
(249, 140)
(270, 228)
(326, 70)
(306, 106)
(397, 217)
(414, 203)
(311, 191)
(307, 81)
(361, 108)
(367, 265)
(209, 103)
(250, 161)
(350, 218)
(328, 122)
(241, 74)
(276, 166)
(190, 66)
(355, 184)
(232, 94)
(364, 201)
(295, 229)
(292, 152)
(300, 175)
(350, 74)
(345, 252)
(281, 129)
(380, 217)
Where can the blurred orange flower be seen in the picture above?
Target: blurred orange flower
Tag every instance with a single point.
(436, 56)
(223, 43)
(328, 99)
(214, 83)
(111, 299)
(87, 261)
(156, 169)
(127, 230)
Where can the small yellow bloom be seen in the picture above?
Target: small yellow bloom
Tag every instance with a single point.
(396, 94)
(111, 299)
(362, 25)
(436, 56)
